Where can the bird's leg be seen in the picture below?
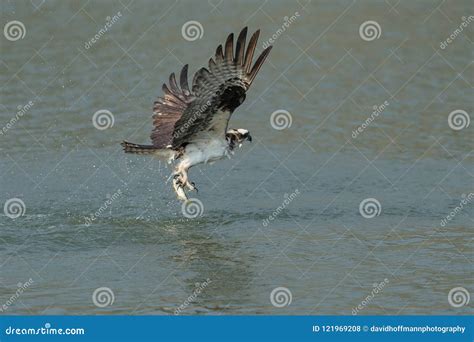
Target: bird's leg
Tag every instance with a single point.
(178, 187)
(179, 181)
(190, 185)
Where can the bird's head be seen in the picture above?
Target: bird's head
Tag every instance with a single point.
(237, 136)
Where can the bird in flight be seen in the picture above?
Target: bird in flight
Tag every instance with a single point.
(191, 125)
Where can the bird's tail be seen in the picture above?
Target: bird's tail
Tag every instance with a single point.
(139, 149)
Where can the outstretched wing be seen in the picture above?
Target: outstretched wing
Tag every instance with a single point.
(169, 109)
(183, 115)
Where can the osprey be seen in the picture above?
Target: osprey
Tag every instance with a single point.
(191, 125)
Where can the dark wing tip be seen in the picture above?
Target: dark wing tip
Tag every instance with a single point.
(247, 64)
(183, 79)
(173, 84)
(243, 32)
(229, 47)
(258, 64)
(240, 47)
(219, 54)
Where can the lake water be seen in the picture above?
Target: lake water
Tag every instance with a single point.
(284, 211)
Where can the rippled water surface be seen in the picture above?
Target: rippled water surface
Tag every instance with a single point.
(284, 211)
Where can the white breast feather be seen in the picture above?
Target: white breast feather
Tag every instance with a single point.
(205, 152)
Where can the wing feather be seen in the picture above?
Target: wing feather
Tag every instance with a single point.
(229, 48)
(240, 47)
(251, 51)
(173, 84)
(183, 80)
(258, 64)
(219, 54)
(183, 114)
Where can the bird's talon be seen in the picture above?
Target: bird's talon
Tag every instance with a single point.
(191, 186)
